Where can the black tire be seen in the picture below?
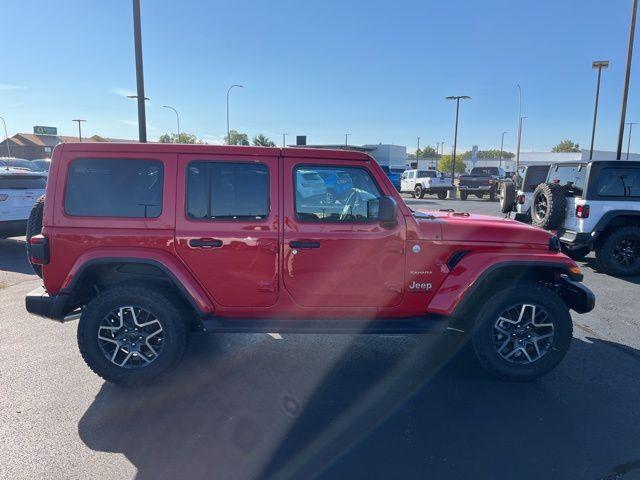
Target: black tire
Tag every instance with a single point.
(418, 192)
(492, 195)
(619, 253)
(166, 310)
(575, 253)
(507, 197)
(442, 194)
(548, 206)
(463, 195)
(34, 227)
(485, 340)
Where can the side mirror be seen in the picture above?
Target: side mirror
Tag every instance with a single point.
(383, 209)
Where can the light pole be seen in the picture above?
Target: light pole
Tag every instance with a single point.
(451, 194)
(137, 40)
(625, 93)
(519, 126)
(79, 121)
(177, 119)
(6, 139)
(441, 148)
(600, 64)
(418, 154)
(228, 130)
(631, 124)
(346, 139)
(284, 136)
(502, 147)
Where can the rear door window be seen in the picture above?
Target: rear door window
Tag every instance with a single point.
(228, 191)
(570, 176)
(534, 176)
(22, 182)
(619, 182)
(101, 187)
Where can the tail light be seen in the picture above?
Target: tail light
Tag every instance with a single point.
(39, 249)
(582, 211)
(520, 199)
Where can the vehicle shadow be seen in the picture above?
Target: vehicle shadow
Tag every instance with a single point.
(592, 263)
(13, 256)
(372, 407)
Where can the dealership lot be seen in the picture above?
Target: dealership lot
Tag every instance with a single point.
(339, 406)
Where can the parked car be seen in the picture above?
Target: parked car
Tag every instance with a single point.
(593, 206)
(148, 242)
(18, 163)
(19, 190)
(42, 164)
(480, 181)
(311, 185)
(394, 174)
(421, 182)
(515, 195)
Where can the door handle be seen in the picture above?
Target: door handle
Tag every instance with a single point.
(205, 243)
(301, 244)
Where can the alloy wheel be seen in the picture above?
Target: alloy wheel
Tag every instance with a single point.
(131, 337)
(627, 252)
(523, 333)
(541, 206)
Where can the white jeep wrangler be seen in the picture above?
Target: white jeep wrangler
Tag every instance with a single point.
(594, 206)
(421, 182)
(515, 195)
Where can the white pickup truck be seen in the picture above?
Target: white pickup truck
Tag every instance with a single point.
(421, 182)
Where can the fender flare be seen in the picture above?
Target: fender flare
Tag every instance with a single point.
(606, 219)
(177, 273)
(465, 278)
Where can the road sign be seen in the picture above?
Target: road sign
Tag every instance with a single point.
(40, 130)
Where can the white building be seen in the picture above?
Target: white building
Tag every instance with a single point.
(386, 154)
(536, 158)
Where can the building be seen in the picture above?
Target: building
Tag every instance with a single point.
(385, 154)
(31, 146)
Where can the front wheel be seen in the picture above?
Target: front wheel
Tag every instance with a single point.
(442, 194)
(131, 335)
(522, 332)
(418, 192)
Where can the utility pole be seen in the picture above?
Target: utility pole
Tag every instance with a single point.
(625, 93)
(137, 40)
(177, 119)
(599, 65)
(79, 121)
(284, 136)
(6, 139)
(502, 147)
(631, 124)
(451, 194)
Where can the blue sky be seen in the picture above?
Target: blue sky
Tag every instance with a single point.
(377, 69)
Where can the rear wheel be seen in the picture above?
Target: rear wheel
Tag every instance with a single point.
(418, 192)
(131, 335)
(463, 195)
(442, 194)
(619, 253)
(522, 332)
(507, 196)
(34, 227)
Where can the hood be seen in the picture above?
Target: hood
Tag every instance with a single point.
(465, 227)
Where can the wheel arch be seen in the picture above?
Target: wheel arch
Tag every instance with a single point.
(617, 218)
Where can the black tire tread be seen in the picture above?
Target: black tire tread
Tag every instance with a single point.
(557, 206)
(507, 196)
(34, 227)
(604, 251)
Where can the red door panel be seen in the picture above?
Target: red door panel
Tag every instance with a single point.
(339, 264)
(235, 259)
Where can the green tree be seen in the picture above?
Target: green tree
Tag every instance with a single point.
(566, 146)
(493, 154)
(261, 140)
(236, 138)
(444, 164)
(184, 138)
(428, 152)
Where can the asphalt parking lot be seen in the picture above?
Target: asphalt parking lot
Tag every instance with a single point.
(332, 406)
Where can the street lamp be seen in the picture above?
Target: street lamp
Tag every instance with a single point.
(79, 121)
(137, 41)
(600, 64)
(6, 139)
(346, 139)
(177, 118)
(417, 154)
(631, 124)
(502, 147)
(625, 93)
(228, 130)
(451, 194)
(284, 136)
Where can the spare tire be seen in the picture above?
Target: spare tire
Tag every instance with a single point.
(507, 196)
(548, 206)
(34, 227)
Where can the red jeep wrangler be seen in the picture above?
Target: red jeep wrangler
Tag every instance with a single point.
(151, 241)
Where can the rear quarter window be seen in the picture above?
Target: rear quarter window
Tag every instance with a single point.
(99, 187)
(619, 182)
